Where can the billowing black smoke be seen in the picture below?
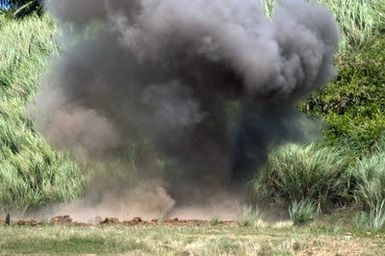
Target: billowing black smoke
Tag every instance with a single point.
(212, 85)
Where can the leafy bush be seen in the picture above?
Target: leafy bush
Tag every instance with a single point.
(295, 172)
(302, 212)
(354, 105)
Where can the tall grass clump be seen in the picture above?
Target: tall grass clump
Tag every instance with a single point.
(295, 172)
(369, 178)
(268, 6)
(373, 220)
(359, 21)
(251, 217)
(302, 212)
(369, 189)
(32, 174)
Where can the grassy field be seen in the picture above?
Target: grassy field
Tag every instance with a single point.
(279, 239)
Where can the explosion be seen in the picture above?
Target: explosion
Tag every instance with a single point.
(210, 86)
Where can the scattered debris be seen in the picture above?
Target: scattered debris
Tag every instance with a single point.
(110, 221)
(67, 220)
(32, 223)
(61, 220)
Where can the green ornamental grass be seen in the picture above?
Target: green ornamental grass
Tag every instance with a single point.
(302, 212)
(32, 174)
(294, 172)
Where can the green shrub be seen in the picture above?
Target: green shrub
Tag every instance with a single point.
(354, 105)
(295, 172)
(302, 212)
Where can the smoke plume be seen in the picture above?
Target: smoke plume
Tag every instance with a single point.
(209, 86)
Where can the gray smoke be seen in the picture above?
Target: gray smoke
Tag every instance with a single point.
(212, 86)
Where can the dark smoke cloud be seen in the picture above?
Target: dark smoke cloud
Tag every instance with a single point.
(168, 71)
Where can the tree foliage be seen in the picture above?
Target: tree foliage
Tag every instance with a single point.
(354, 105)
